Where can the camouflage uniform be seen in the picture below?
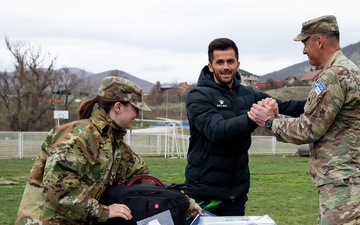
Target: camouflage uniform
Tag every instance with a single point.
(78, 160)
(331, 123)
(120, 89)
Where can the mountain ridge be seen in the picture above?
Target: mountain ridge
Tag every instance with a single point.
(144, 84)
(298, 70)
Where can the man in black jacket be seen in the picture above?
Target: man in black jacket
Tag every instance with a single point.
(217, 172)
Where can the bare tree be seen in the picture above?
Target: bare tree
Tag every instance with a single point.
(5, 88)
(24, 91)
(155, 96)
(174, 92)
(70, 86)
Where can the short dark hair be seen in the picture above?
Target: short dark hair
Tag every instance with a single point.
(222, 44)
(333, 34)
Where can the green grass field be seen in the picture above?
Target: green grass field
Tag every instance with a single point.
(280, 186)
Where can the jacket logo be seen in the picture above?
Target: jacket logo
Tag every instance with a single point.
(221, 104)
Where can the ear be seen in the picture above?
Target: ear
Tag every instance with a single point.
(210, 67)
(320, 41)
(117, 107)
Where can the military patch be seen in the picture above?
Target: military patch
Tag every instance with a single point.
(319, 87)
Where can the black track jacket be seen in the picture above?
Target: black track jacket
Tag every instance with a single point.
(220, 136)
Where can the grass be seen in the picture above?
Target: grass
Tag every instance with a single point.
(280, 186)
(295, 92)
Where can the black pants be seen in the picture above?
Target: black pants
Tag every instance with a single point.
(234, 207)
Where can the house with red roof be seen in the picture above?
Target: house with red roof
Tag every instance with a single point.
(311, 76)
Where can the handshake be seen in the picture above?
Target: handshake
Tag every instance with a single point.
(263, 110)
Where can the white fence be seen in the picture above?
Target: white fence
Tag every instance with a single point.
(165, 141)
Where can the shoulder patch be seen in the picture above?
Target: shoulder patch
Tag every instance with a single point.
(319, 87)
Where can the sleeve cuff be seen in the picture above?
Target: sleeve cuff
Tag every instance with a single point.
(192, 205)
(104, 216)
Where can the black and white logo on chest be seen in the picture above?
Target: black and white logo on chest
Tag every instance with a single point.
(221, 104)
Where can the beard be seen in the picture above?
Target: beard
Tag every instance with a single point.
(230, 76)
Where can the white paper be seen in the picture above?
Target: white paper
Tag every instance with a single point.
(154, 222)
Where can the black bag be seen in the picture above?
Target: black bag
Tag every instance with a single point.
(145, 200)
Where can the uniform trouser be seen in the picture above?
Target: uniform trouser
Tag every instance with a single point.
(339, 202)
(234, 207)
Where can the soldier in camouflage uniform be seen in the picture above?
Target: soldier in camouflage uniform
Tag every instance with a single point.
(78, 160)
(330, 123)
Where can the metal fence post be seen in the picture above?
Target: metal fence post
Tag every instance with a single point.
(128, 138)
(20, 145)
(158, 143)
(273, 145)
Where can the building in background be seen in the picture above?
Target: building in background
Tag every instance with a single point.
(248, 79)
(310, 77)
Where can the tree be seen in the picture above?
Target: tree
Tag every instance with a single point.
(271, 82)
(118, 73)
(155, 96)
(68, 86)
(24, 91)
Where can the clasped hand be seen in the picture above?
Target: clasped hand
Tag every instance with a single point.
(263, 110)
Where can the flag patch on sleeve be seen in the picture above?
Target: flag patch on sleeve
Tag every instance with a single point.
(319, 87)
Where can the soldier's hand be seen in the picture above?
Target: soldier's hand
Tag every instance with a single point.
(274, 106)
(270, 102)
(259, 113)
(120, 210)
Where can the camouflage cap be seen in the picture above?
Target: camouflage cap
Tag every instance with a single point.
(318, 25)
(121, 89)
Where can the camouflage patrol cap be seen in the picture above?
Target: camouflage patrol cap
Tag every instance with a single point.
(121, 89)
(318, 25)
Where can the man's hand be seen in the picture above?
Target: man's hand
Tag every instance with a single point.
(274, 105)
(263, 110)
(270, 102)
(196, 210)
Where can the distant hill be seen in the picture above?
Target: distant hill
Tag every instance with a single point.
(96, 79)
(300, 69)
(76, 70)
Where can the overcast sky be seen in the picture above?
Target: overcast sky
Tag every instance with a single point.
(167, 40)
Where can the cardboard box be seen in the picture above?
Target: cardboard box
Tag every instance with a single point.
(236, 220)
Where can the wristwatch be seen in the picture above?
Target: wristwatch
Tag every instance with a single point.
(268, 123)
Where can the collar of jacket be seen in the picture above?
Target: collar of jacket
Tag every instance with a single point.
(333, 58)
(106, 125)
(206, 78)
